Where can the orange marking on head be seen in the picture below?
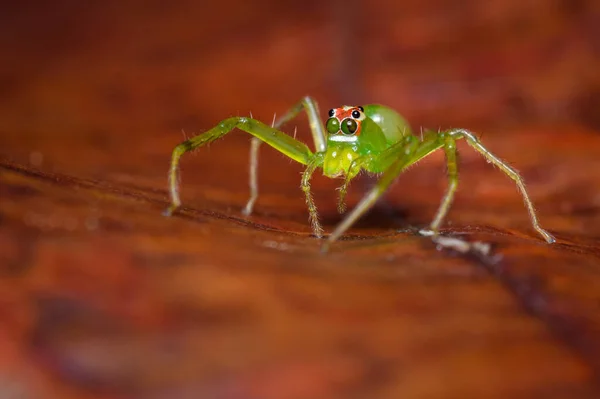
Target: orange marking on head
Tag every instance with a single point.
(346, 112)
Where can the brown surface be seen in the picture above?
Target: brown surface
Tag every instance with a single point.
(102, 297)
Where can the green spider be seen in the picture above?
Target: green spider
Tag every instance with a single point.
(374, 138)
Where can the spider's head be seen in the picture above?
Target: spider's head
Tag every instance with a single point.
(344, 127)
(345, 124)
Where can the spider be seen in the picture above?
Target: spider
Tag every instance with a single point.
(373, 138)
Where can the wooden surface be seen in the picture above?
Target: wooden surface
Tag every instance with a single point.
(102, 297)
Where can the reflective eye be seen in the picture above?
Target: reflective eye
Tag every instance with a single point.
(361, 108)
(355, 114)
(331, 113)
(332, 125)
(349, 126)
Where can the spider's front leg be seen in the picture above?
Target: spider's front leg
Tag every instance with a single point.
(354, 169)
(313, 164)
(318, 133)
(283, 143)
(450, 138)
(392, 162)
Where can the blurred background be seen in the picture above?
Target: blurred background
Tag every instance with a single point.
(105, 295)
(146, 69)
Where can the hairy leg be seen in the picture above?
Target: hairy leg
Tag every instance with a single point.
(318, 133)
(392, 162)
(452, 166)
(354, 169)
(313, 164)
(474, 142)
(283, 143)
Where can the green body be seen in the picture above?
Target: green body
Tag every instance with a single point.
(373, 138)
(382, 128)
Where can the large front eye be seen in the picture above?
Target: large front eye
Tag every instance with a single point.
(349, 126)
(333, 125)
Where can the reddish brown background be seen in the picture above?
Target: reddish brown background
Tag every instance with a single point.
(102, 297)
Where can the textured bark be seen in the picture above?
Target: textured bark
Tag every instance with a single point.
(102, 297)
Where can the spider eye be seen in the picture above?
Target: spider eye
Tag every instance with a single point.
(331, 113)
(349, 126)
(355, 114)
(332, 125)
(361, 108)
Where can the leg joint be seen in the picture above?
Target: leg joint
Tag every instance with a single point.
(463, 133)
(184, 147)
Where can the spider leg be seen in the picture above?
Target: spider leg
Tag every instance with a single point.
(253, 179)
(474, 142)
(379, 163)
(355, 167)
(452, 170)
(283, 143)
(318, 133)
(392, 162)
(313, 164)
